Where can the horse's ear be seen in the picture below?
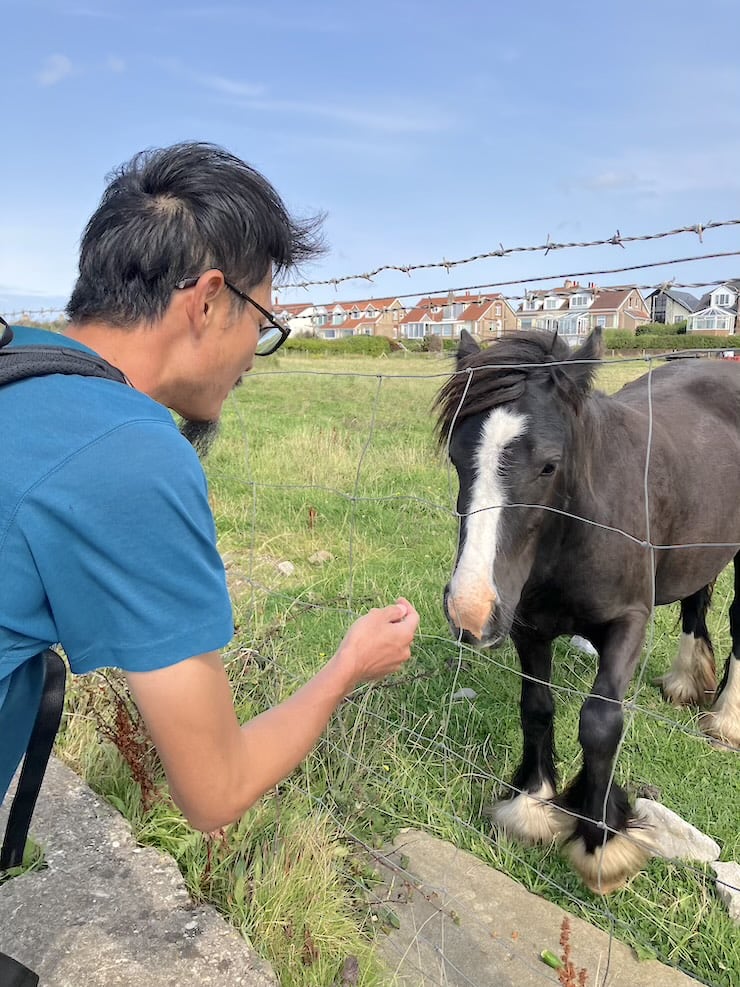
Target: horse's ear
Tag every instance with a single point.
(468, 347)
(583, 363)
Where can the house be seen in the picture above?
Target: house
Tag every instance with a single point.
(717, 312)
(574, 309)
(619, 308)
(485, 316)
(565, 308)
(542, 308)
(298, 318)
(365, 317)
(670, 306)
(488, 318)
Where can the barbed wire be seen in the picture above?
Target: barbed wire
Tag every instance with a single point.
(617, 240)
(438, 296)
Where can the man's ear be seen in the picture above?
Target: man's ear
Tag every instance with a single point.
(198, 301)
(210, 284)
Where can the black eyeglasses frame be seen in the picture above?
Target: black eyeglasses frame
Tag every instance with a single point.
(284, 331)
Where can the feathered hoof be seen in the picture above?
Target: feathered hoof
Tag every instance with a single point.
(680, 691)
(692, 679)
(722, 721)
(530, 817)
(609, 867)
(722, 725)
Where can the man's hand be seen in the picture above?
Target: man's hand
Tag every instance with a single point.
(379, 642)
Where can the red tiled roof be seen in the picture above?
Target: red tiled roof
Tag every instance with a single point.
(610, 301)
(475, 312)
(293, 309)
(421, 313)
(351, 324)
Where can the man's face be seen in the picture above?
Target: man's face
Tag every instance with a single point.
(226, 351)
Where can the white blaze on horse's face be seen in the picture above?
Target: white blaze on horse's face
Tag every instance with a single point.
(472, 594)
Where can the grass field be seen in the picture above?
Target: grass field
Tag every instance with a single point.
(338, 456)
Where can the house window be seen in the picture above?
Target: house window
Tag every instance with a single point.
(337, 319)
(320, 320)
(601, 322)
(329, 333)
(552, 302)
(723, 300)
(497, 308)
(579, 301)
(711, 322)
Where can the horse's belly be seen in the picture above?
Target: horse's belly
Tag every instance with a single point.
(684, 571)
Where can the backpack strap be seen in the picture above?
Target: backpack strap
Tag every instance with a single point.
(14, 974)
(20, 362)
(37, 756)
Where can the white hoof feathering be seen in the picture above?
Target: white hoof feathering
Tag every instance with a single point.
(692, 678)
(609, 867)
(722, 721)
(529, 817)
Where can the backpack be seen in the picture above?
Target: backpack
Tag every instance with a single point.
(18, 363)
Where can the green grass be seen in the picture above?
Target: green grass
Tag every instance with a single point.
(337, 455)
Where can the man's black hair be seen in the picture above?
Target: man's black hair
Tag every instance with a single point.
(172, 213)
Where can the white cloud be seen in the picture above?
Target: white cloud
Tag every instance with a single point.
(250, 96)
(662, 171)
(54, 69)
(388, 122)
(229, 87)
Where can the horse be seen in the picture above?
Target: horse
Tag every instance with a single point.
(578, 514)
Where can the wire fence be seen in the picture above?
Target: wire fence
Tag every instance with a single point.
(365, 407)
(420, 722)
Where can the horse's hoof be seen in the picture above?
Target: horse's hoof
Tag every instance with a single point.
(680, 691)
(609, 867)
(530, 817)
(719, 726)
(722, 721)
(692, 679)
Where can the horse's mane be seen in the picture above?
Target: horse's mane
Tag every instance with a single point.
(499, 374)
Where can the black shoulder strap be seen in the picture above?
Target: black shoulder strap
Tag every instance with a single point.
(21, 362)
(34, 764)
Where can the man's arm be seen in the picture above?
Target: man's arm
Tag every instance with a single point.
(216, 768)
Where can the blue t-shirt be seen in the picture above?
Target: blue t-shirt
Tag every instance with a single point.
(107, 541)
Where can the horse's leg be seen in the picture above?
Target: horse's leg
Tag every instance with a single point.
(528, 815)
(607, 845)
(723, 719)
(692, 678)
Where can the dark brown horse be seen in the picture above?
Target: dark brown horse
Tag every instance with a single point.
(579, 513)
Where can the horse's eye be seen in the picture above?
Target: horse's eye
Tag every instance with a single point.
(548, 469)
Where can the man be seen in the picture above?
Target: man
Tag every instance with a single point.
(107, 542)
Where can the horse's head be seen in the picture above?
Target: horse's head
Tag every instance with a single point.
(507, 417)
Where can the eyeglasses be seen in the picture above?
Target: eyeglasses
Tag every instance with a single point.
(271, 337)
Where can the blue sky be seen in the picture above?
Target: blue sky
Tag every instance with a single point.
(426, 130)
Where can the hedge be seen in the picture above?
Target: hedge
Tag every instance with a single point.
(661, 329)
(359, 345)
(621, 339)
